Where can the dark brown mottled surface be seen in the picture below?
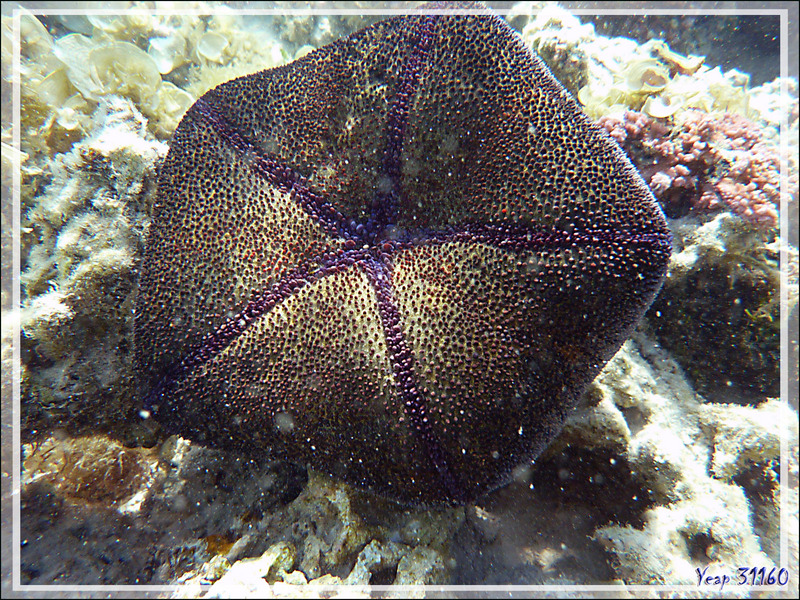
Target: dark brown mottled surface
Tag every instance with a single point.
(400, 259)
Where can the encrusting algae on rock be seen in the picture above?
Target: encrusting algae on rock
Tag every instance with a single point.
(609, 75)
(656, 473)
(83, 235)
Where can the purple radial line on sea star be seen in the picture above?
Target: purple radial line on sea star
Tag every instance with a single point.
(522, 237)
(283, 177)
(385, 203)
(382, 215)
(220, 338)
(402, 360)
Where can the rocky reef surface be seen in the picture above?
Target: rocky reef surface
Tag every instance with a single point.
(672, 463)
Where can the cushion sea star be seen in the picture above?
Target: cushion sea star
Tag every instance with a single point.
(400, 259)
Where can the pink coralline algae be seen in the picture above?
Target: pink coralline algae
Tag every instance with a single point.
(707, 162)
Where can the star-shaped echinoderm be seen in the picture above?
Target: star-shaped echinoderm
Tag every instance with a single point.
(400, 259)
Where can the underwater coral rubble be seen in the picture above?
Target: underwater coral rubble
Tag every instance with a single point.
(711, 468)
(646, 483)
(82, 237)
(189, 515)
(332, 535)
(719, 39)
(558, 38)
(610, 75)
(95, 511)
(706, 161)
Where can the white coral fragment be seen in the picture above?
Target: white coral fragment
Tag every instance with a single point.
(34, 37)
(211, 46)
(73, 50)
(56, 88)
(123, 68)
(744, 436)
(170, 104)
(167, 52)
(115, 68)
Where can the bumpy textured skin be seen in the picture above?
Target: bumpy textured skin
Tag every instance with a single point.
(399, 259)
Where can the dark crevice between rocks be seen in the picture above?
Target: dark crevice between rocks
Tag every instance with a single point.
(698, 546)
(384, 576)
(600, 479)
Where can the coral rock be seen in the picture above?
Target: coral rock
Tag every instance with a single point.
(706, 162)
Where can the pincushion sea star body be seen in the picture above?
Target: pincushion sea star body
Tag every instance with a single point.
(399, 259)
